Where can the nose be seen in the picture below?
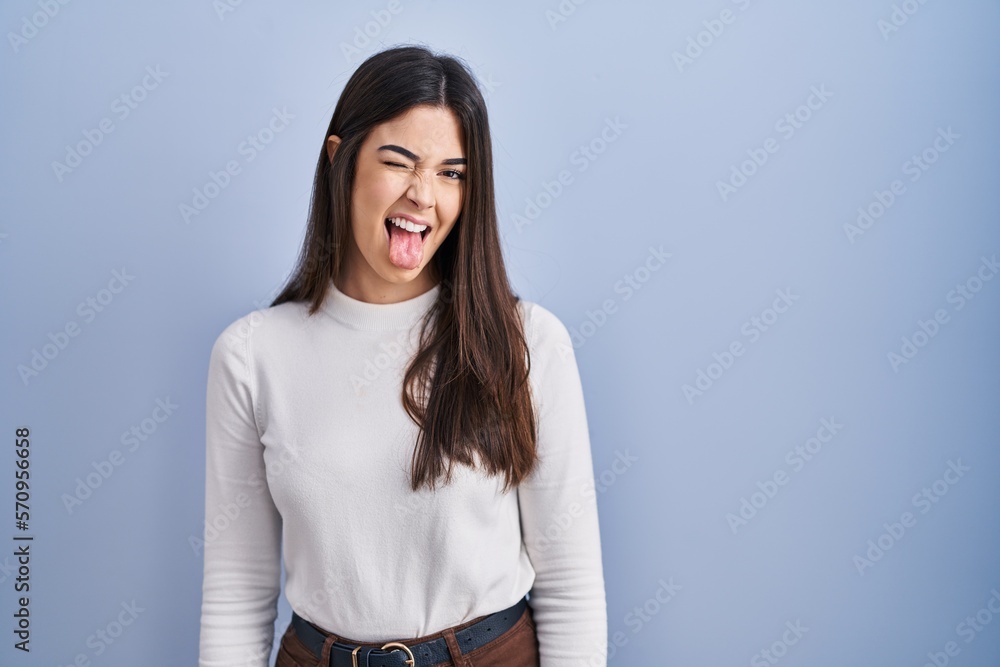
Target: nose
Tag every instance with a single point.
(421, 189)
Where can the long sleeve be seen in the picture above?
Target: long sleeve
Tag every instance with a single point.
(558, 508)
(242, 538)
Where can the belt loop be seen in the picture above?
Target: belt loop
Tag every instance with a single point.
(324, 658)
(457, 659)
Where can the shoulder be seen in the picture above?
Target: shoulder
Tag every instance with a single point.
(544, 331)
(262, 326)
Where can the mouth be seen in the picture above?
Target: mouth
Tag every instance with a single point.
(402, 223)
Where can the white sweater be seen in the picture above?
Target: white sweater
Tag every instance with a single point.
(307, 443)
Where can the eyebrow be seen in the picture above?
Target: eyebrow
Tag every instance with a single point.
(413, 156)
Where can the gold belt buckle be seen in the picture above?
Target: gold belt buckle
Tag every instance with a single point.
(409, 661)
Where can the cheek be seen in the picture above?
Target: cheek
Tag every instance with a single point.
(375, 197)
(455, 209)
(450, 204)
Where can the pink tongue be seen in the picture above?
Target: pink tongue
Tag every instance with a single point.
(406, 249)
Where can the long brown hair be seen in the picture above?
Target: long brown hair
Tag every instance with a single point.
(467, 385)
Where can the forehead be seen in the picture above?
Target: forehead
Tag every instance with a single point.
(427, 131)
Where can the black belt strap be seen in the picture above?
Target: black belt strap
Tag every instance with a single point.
(425, 653)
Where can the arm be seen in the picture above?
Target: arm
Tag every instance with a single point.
(242, 539)
(559, 509)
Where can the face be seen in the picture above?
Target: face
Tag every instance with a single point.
(411, 169)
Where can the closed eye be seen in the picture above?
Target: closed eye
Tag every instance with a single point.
(458, 175)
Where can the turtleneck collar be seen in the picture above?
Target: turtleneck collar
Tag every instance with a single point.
(377, 316)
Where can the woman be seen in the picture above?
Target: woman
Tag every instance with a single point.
(413, 432)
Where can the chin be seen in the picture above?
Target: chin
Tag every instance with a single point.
(394, 274)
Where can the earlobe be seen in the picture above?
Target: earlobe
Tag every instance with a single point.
(331, 145)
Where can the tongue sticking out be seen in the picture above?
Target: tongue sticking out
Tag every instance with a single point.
(406, 249)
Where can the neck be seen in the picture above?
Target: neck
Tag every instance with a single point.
(372, 288)
(378, 316)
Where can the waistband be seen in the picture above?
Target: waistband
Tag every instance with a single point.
(397, 654)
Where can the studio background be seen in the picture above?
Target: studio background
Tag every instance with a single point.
(771, 227)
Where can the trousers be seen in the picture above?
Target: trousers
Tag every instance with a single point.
(518, 647)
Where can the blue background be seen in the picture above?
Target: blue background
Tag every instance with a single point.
(661, 133)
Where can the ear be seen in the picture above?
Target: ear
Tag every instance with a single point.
(331, 145)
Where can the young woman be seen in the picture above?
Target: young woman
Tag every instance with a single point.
(398, 425)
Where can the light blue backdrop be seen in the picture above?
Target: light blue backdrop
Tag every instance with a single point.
(771, 226)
